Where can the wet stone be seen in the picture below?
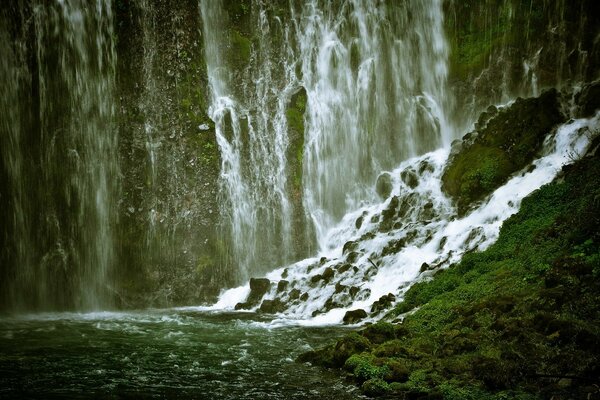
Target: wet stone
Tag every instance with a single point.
(354, 316)
(243, 306)
(294, 294)
(340, 288)
(282, 285)
(349, 246)
(343, 267)
(409, 178)
(352, 257)
(328, 274)
(272, 306)
(383, 303)
(358, 222)
(383, 186)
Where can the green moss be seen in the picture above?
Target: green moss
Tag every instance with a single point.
(505, 144)
(240, 49)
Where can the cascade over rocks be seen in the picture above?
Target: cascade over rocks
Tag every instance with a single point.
(503, 143)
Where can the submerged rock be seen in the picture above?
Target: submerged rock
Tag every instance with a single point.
(354, 316)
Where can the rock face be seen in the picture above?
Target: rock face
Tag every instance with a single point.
(588, 100)
(500, 147)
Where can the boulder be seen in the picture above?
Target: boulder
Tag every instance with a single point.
(282, 285)
(243, 306)
(328, 274)
(272, 306)
(354, 316)
(294, 294)
(258, 288)
(383, 186)
(503, 145)
(410, 179)
(383, 303)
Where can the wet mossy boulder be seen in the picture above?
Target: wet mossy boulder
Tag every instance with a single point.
(505, 143)
(258, 288)
(383, 186)
(354, 316)
(272, 306)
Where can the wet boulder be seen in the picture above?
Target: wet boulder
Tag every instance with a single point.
(383, 186)
(282, 285)
(272, 306)
(409, 177)
(258, 288)
(352, 257)
(354, 316)
(387, 215)
(339, 288)
(243, 306)
(358, 222)
(328, 274)
(294, 294)
(343, 268)
(349, 246)
(384, 303)
(353, 291)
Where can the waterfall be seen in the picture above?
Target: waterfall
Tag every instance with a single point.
(374, 80)
(59, 151)
(375, 74)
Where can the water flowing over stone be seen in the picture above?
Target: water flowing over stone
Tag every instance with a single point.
(374, 80)
(59, 150)
(401, 240)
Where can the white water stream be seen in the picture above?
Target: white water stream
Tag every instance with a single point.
(430, 232)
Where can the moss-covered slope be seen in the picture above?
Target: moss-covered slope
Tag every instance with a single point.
(504, 142)
(519, 320)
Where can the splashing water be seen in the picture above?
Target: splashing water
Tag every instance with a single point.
(374, 76)
(369, 258)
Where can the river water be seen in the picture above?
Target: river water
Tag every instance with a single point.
(174, 353)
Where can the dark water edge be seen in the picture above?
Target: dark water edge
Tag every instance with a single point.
(176, 353)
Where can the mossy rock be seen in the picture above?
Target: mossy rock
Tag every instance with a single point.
(507, 143)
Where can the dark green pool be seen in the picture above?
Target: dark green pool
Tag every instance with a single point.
(162, 354)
